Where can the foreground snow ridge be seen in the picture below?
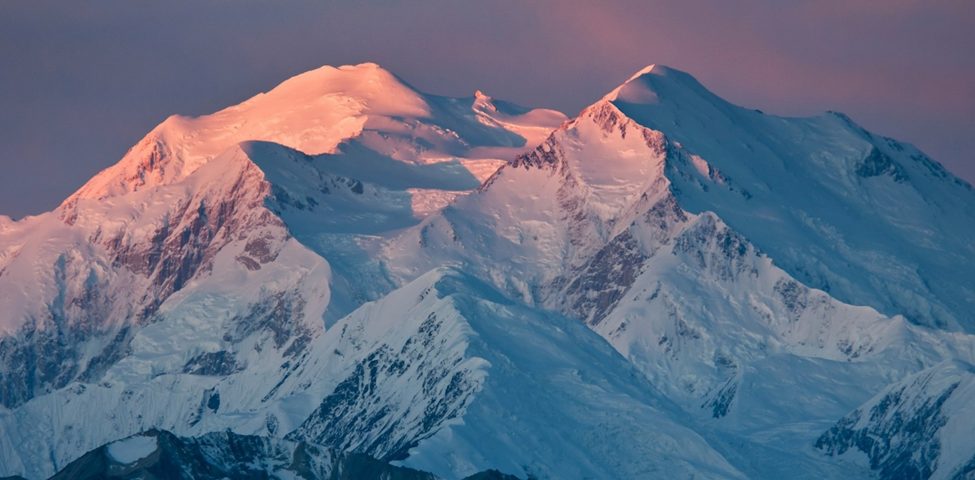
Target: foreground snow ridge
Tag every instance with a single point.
(348, 276)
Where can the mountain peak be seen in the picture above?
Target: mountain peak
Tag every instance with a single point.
(646, 85)
(362, 82)
(370, 66)
(655, 69)
(362, 70)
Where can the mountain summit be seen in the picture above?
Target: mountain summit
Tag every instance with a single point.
(315, 113)
(641, 88)
(348, 271)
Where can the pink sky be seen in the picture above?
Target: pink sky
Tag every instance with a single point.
(82, 82)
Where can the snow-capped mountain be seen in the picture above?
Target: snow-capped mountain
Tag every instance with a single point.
(666, 285)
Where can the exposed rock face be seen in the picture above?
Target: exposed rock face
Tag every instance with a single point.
(878, 163)
(356, 415)
(904, 432)
(602, 283)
